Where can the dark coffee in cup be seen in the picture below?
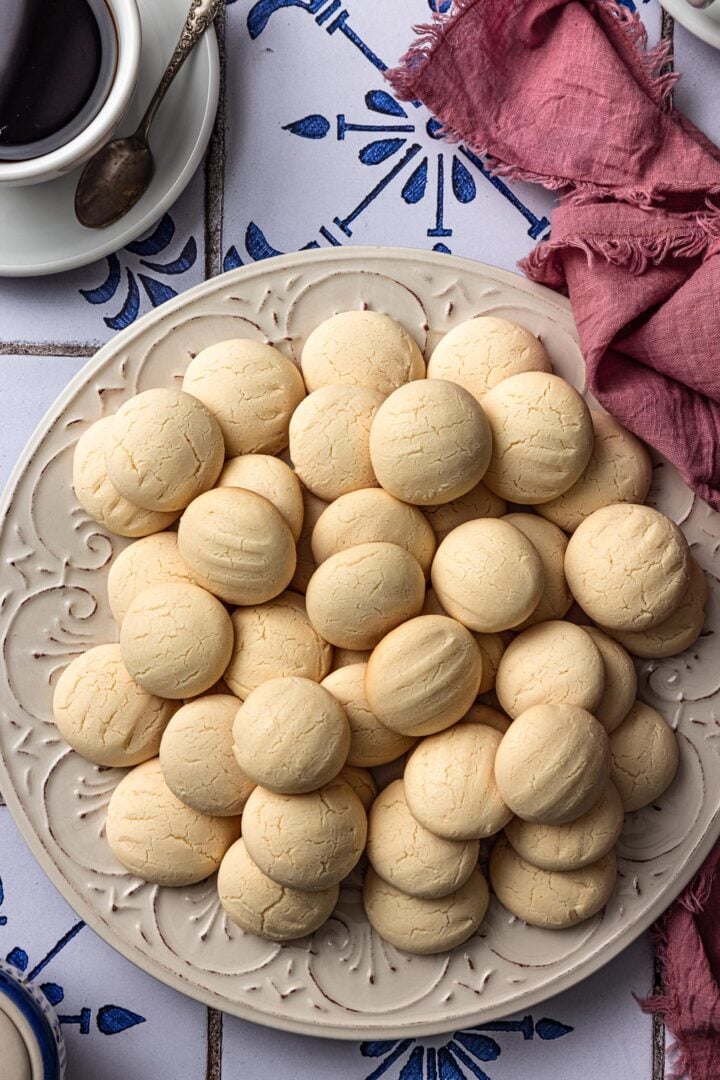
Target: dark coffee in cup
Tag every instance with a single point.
(57, 64)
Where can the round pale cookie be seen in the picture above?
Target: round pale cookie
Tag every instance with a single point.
(553, 764)
(271, 478)
(644, 751)
(309, 841)
(104, 714)
(679, 631)
(259, 906)
(422, 926)
(575, 844)
(159, 838)
(483, 714)
(491, 646)
(273, 640)
(355, 597)
(346, 657)
(620, 680)
(424, 675)
(371, 515)
(99, 497)
(149, 561)
(542, 437)
(362, 783)
(176, 640)
(291, 735)
(163, 449)
(553, 899)
(371, 743)
(329, 440)
(619, 470)
(479, 502)
(481, 352)
(410, 857)
(237, 545)
(429, 442)
(361, 348)
(628, 567)
(553, 662)
(252, 390)
(450, 783)
(196, 756)
(306, 565)
(550, 542)
(488, 575)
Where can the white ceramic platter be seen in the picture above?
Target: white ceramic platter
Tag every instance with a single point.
(703, 22)
(343, 982)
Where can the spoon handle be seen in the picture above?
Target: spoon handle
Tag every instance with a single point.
(199, 17)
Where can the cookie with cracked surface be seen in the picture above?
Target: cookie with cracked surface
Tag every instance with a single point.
(362, 782)
(104, 714)
(273, 479)
(628, 567)
(371, 742)
(251, 389)
(361, 348)
(553, 899)
(346, 657)
(425, 926)
(542, 437)
(306, 565)
(149, 561)
(575, 844)
(491, 646)
(163, 449)
(479, 502)
(160, 839)
(620, 680)
(550, 542)
(484, 714)
(679, 631)
(196, 756)
(260, 906)
(644, 754)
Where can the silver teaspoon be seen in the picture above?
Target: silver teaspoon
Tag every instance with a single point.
(120, 172)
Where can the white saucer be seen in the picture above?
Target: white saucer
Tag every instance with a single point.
(39, 233)
(703, 22)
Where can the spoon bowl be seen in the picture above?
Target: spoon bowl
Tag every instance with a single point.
(113, 181)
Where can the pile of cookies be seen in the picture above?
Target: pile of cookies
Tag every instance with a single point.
(289, 624)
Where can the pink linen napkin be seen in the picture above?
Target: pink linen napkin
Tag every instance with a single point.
(562, 93)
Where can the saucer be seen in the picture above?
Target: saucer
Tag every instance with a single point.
(702, 22)
(39, 233)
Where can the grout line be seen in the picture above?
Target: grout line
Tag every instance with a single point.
(667, 33)
(215, 168)
(213, 1070)
(658, 1027)
(49, 348)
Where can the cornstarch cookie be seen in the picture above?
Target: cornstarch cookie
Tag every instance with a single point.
(306, 565)
(196, 756)
(488, 575)
(550, 898)
(620, 680)
(358, 595)
(362, 783)
(551, 662)
(272, 640)
(291, 735)
(159, 838)
(271, 478)
(148, 561)
(260, 906)
(491, 646)
(450, 782)
(424, 675)
(425, 926)
(163, 449)
(553, 764)
(479, 502)
(679, 631)
(481, 352)
(645, 757)
(574, 845)
(483, 714)
(371, 515)
(99, 497)
(619, 470)
(409, 856)
(542, 437)
(309, 841)
(346, 657)
(361, 348)
(329, 440)
(429, 442)
(371, 743)
(251, 389)
(628, 567)
(237, 545)
(550, 542)
(176, 640)
(104, 714)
